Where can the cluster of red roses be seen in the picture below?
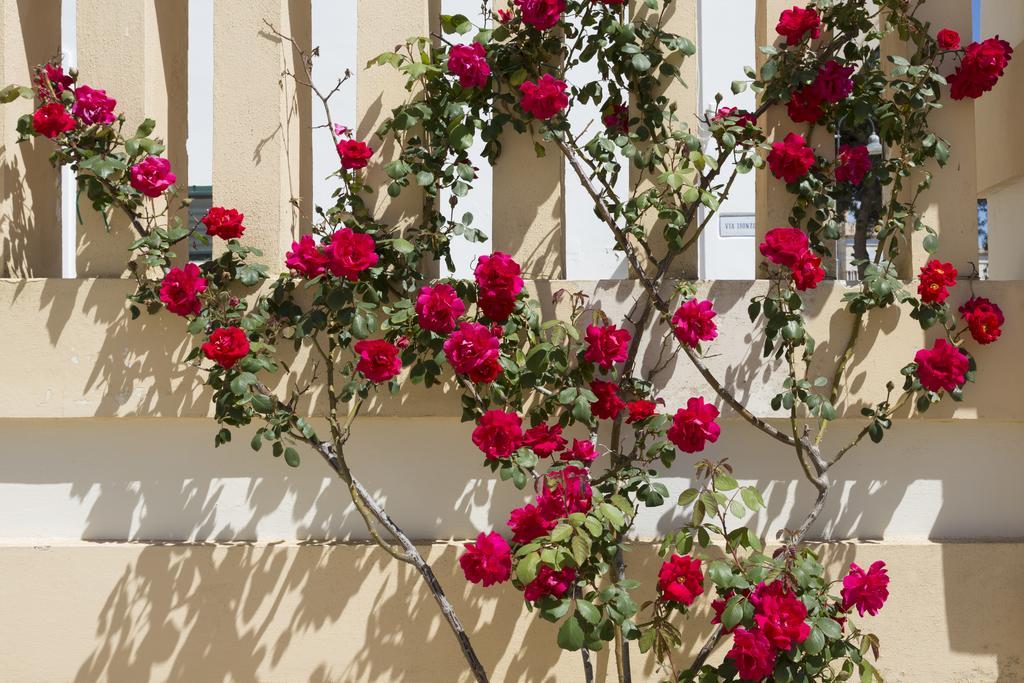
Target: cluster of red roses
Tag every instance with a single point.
(944, 366)
(779, 618)
(790, 248)
(90, 107)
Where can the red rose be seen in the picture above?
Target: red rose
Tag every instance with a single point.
(224, 223)
(504, 16)
(584, 451)
(564, 492)
(868, 590)
(608, 404)
(354, 154)
(306, 258)
(606, 345)
(544, 440)
(981, 67)
(640, 410)
(833, 83)
(152, 176)
(496, 304)
(854, 164)
(350, 253)
(936, 277)
(59, 80)
(784, 246)
(984, 319)
(527, 523)
(473, 350)
(487, 561)
(741, 116)
(52, 119)
(378, 360)
(680, 579)
(615, 117)
(948, 39)
(469, 63)
(227, 346)
(795, 23)
(781, 616)
(807, 271)
(693, 426)
(541, 14)
(944, 366)
(93, 106)
(805, 105)
(611, 2)
(181, 288)
(752, 655)
(544, 98)
(693, 322)
(498, 434)
(439, 308)
(498, 271)
(549, 582)
(791, 159)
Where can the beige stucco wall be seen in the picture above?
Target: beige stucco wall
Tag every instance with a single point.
(287, 613)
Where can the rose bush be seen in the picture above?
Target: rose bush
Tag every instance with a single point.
(559, 407)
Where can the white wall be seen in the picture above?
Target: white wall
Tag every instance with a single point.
(152, 479)
(725, 46)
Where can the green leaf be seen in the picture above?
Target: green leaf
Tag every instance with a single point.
(526, 568)
(738, 87)
(590, 614)
(570, 635)
(242, 382)
(291, 456)
(815, 642)
(732, 614)
(831, 629)
(403, 246)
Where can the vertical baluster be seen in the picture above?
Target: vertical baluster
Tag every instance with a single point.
(261, 121)
(29, 190)
(136, 50)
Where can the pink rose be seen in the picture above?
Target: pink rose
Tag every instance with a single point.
(498, 434)
(944, 366)
(350, 253)
(694, 426)
(867, 590)
(527, 523)
(781, 616)
(378, 360)
(544, 98)
(469, 63)
(181, 288)
(487, 561)
(741, 116)
(93, 106)
(438, 308)
(541, 14)
(606, 345)
(306, 258)
(473, 350)
(549, 582)
(693, 322)
(564, 492)
(499, 271)
(152, 176)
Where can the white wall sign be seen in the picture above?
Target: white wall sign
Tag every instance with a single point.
(736, 225)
